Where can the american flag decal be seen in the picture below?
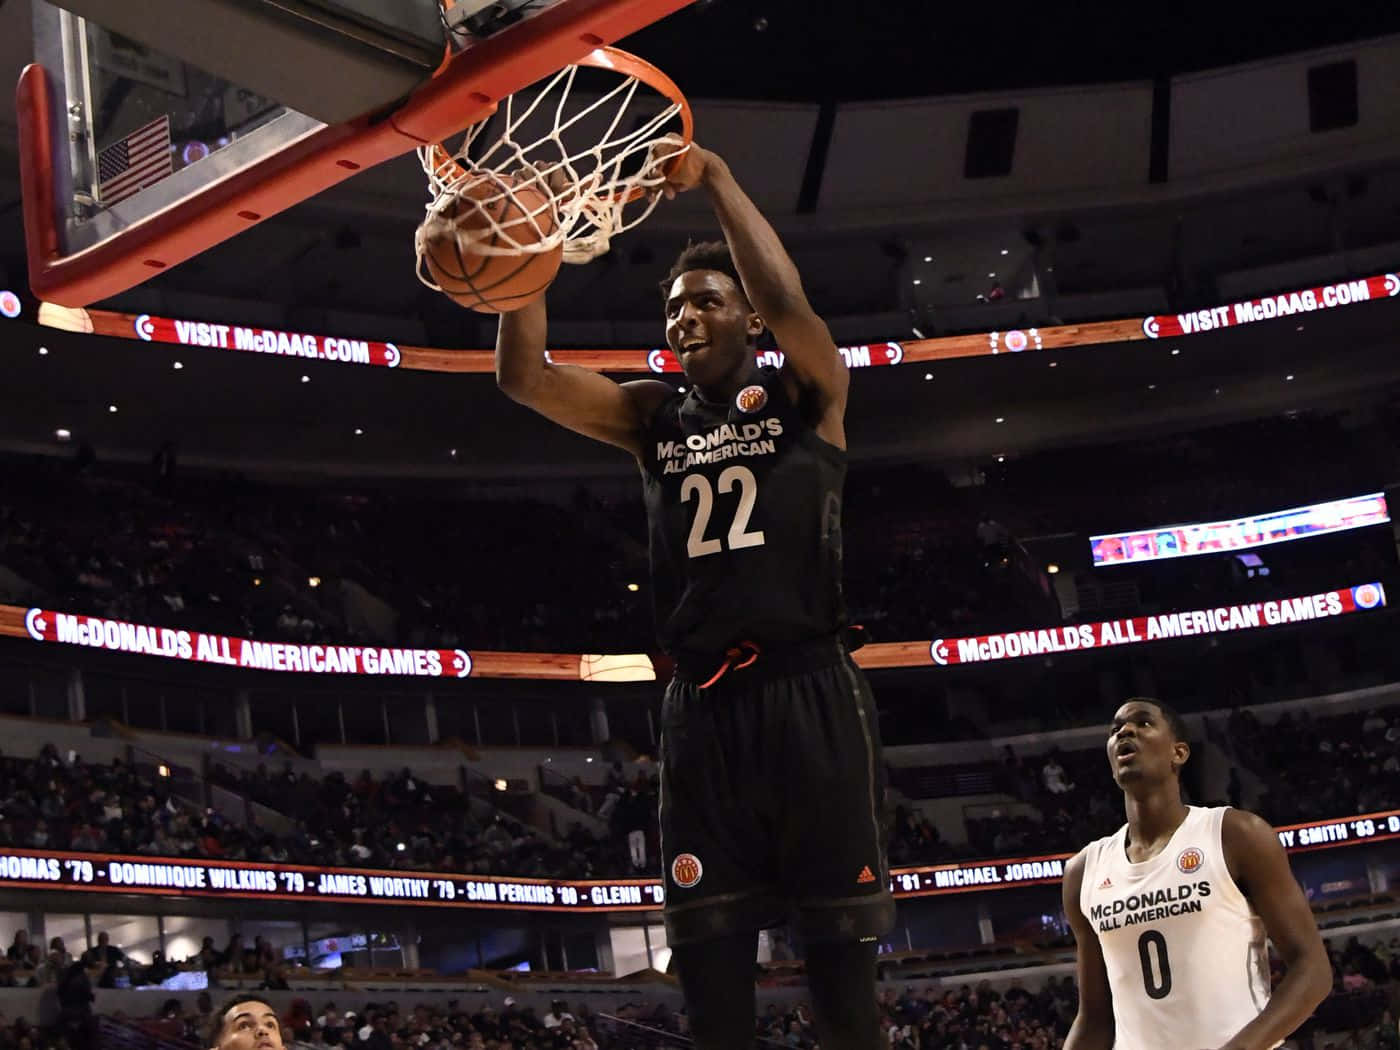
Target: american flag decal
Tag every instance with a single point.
(137, 161)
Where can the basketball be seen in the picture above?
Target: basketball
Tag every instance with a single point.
(461, 241)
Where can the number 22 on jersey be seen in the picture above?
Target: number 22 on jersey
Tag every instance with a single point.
(697, 486)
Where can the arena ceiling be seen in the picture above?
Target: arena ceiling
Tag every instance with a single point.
(801, 50)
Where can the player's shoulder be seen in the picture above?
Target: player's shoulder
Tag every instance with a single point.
(1241, 829)
(648, 395)
(1076, 865)
(1072, 885)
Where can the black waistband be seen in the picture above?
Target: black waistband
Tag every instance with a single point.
(767, 663)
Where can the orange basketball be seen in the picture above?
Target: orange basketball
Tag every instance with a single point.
(452, 237)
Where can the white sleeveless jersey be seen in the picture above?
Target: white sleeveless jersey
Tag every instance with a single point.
(1185, 953)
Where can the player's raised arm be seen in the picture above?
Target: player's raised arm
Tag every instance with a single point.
(578, 398)
(770, 278)
(1093, 1024)
(1260, 868)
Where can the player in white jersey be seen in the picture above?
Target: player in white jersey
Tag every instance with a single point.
(1171, 913)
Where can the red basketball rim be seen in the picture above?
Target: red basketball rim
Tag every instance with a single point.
(618, 61)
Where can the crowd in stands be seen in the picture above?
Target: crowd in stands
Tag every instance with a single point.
(1314, 768)
(1311, 768)
(1063, 800)
(924, 557)
(911, 1019)
(1361, 1006)
(401, 822)
(1356, 1015)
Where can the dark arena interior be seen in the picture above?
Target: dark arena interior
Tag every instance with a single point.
(330, 672)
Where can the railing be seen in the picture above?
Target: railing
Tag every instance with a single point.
(931, 782)
(197, 791)
(558, 786)
(127, 1035)
(640, 1035)
(514, 799)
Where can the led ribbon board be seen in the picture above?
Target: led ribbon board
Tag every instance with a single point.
(304, 346)
(1106, 634)
(237, 880)
(96, 632)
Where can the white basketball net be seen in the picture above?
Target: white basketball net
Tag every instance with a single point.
(590, 194)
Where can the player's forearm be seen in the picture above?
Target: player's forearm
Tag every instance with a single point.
(520, 348)
(769, 274)
(1088, 1033)
(1303, 987)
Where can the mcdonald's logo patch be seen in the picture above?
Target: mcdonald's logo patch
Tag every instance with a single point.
(1189, 859)
(686, 870)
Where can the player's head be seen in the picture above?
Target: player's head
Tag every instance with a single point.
(711, 326)
(1147, 743)
(244, 1022)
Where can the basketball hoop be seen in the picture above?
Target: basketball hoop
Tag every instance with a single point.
(597, 178)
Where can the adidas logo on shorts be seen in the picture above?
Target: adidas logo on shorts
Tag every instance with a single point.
(866, 875)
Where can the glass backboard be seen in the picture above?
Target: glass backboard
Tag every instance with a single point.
(134, 159)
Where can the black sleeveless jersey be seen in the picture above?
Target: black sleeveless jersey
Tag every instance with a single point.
(744, 512)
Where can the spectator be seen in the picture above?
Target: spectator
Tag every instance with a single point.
(264, 955)
(58, 960)
(24, 955)
(231, 958)
(630, 818)
(208, 957)
(104, 952)
(159, 971)
(558, 1014)
(614, 787)
(1053, 775)
(75, 998)
(991, 534)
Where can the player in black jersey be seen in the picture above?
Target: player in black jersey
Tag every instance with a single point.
(771, 777)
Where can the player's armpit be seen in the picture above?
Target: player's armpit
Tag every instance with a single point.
(578, 398)
(1093, 1027)
(1260, 868)
(593, 405)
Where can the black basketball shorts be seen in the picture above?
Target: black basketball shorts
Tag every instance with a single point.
(772, 789)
